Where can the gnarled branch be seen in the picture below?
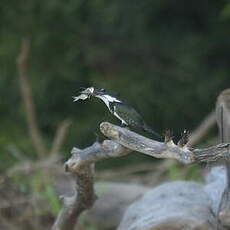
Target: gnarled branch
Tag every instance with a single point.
(80, 165)
(82, 199)
(223, 121)
(124, 141)
(136, 142)
(167, 149)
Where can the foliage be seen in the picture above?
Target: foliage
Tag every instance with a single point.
(176, 171)
(168, 59)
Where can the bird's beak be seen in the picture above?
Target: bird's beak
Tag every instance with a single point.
(88, 91)
(91, 91)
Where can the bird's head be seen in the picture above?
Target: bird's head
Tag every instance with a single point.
(88, 92)
(95, 92)
(92, 91)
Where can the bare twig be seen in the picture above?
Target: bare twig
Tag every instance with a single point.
(28, 102)
(60, 136)
(200, 132)
(28, 99)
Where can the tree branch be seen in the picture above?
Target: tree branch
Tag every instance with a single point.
(81, 200)
(60, 136)
(167, 149)
(80, 165)
(27, 99)
(124, 141)
(136, 142)
(223, 121)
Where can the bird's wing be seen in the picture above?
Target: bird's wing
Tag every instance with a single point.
(132, 118)
(127, 113)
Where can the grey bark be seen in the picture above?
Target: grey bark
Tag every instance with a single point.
(82, 199)
(80, 165)
(174, 205)
(167, 149)
(223, 121)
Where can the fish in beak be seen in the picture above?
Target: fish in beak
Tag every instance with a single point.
(84, 94)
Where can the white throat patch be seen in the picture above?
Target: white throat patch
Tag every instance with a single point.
(108, 99)
(91, 89)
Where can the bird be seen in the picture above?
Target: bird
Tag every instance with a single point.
(125, 113)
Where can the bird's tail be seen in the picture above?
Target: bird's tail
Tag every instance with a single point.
(151, 131)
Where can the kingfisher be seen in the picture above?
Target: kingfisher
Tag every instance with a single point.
(125, 113)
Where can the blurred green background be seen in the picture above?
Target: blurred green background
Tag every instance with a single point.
(168, 59)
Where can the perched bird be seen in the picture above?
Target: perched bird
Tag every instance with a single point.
(125, 113)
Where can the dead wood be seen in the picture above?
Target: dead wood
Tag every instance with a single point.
(27, 99)
(223, 121)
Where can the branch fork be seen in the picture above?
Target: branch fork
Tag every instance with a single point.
(122, 141)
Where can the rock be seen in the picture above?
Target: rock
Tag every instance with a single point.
(215, 184)
(173, 205)
(114, 198)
